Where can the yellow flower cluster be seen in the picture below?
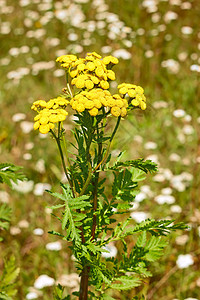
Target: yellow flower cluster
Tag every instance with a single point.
(91, 75)
(49, 113)
(54, 103)
(95, 99)
(136, 94)
(89, 72)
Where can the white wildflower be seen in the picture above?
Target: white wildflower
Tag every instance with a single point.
(170, 16)
(140, 197)
(184, 261)
(187, 30)
(23, 186)
(18, 117)
(150, 145)
(43, 281)
(195, 68)
(31, 295)
(166, 191)
(40, 188)
(188, 129)
(23, 224)
(38, 231)
(15, 230)
(26, 126)
(179, 113)
(111, 249)
(186, 5)
(174, 157)
(54, 246)
(122, 53)
(69, 280)
(4, 197)
(171, 65)
(161, 199)
(182, 239)
(139, 216)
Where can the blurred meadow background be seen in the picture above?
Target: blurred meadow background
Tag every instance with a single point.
(158, 45)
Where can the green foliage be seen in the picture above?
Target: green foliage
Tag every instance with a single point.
(77, 220)
(92, 215)
(5, 216)
(107, 297)
(8, 278)
(58, 293)
(71, 218)
(10, 173)
(161, 227)
(125, 283)
(144, 165)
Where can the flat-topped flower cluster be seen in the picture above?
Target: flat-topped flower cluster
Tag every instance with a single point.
(88, 90)
(49, 113)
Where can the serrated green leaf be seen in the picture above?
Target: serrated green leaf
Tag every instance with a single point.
(56, 206)
(126, 283)
(65, 218)
(94, 248)
(55, 233)
(8, 278)
(5, 216)
(156, 228)
(146, 166)
(10, 173)
(138, 174)
(154, 248)
(142, 239)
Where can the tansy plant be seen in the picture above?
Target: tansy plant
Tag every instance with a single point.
(93, 214)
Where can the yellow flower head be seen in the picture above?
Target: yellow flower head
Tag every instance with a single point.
(110, 59)
(39, 104)
(49, 113)
(67, 60)
(91, 75)
(135, 94)
(89, 72)
(94, 54)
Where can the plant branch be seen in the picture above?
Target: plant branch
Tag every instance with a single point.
(68, 161)
(95, 203)
(62, 157)
(84, 284)
(108, 147)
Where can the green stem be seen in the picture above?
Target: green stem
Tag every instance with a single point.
(62, 157)
(68, 161)
(87, 182)
(88, 144)
(85, 273)
(95, 202)
(109, 144)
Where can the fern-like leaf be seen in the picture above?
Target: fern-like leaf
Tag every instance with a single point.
(8, 278)
(144, 165)
(10, 173)
(5, 216)
(126, 283)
